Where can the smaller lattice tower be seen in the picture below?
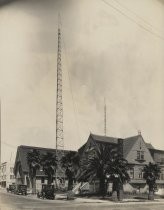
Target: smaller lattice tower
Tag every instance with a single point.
(59, 101)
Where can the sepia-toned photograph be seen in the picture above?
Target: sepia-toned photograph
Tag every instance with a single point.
(81, 104)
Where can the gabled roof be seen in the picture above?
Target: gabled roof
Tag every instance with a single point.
(153, 150)
(23, 150)
(149, 146)
(104, 139)
(128, 144)
(81, 149)
(98, 139)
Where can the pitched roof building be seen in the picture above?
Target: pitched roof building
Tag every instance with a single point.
(135, 150)
(21, 168)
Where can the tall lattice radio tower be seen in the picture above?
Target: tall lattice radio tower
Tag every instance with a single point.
(59, 101)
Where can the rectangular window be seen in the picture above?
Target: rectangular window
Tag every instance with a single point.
(138, 155)
(140, 175)
(162, 175)
(131, 173)
(142, 155)
(42, 180)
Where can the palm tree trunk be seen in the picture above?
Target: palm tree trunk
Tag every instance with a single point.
(120, 192)
(34, 185)
(102, 189)
(49, 180)
(70, 184)
(114, 195)
(151, 193)
(30, 180)
(115, 190)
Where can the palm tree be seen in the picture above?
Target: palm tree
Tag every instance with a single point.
(33, 160)
(96, 164)
(151, 173)
(70, 162)
(49, 164)
(117, 172)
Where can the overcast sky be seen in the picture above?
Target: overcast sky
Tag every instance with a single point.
(113, 50)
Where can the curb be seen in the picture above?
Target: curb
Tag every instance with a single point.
(91, 201)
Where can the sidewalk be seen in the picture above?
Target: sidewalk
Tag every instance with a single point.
(61, 198)
(78, 200)
(124, 202)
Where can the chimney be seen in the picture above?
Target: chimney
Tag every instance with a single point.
(120, 147)
(139, 132)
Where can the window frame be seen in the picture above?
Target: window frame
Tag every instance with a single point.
(140, 155)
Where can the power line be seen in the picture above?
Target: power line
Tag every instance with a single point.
(74, 103)
(9, 145)
(141, 18)
(132, 20)
(69, 77)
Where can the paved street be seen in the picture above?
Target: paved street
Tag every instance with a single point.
(16, 202)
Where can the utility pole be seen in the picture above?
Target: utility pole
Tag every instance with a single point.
(0, 145)
(59, 101)
(104, 117)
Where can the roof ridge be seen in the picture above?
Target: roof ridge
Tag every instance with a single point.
(35, 147)
(131, 137)
(159, 150)
(128, 143)
(92, 134)
(40, 148)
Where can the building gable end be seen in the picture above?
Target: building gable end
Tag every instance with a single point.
(139, 153)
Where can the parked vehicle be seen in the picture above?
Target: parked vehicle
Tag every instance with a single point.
(47, 191)
(20, 189)
(11, 188)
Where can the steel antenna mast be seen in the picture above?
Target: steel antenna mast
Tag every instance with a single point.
(59, 101)
(104, 116)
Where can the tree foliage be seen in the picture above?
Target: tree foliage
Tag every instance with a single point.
(96, 162)
(70, 162)
(118, 168)
(49, 164)
(33, 160)
(151, 173)
(104, 163)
